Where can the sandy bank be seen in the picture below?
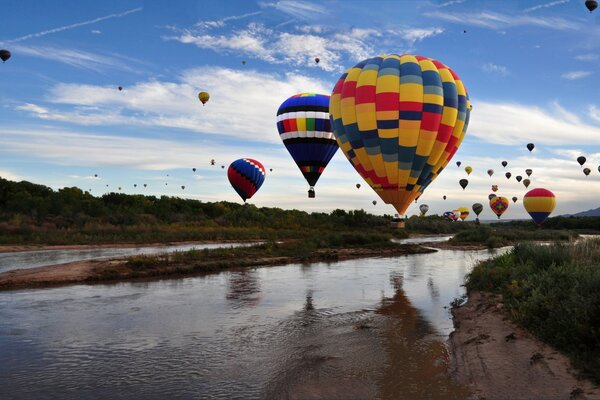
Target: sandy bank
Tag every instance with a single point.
(499, 360)
(96, 271)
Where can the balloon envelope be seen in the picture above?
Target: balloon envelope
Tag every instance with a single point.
(514, 199)
(587, 171)
(464, 213)
(526, 182)
(539, 203)
(508, 175)
(463, 183)
(203, 97)
(4, 55)
(581, 160)
(591, 5)
(304, 126)
(423, 208)
(490, 172)
(246, 176)
(494, 188)
(499, 205)
(504, 163)
(468, 170)
(399, 120)
(491, 196)
(519, 178)
(529, 171)
(458, 163)
(477, 208)
(530, 146)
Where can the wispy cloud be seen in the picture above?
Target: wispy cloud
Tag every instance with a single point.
(96, 32)
(587, 57)
(451, 3)
(222, 22)
(515, 124)
(73, 26)
(495, 69)
(573, 75)
(302, 45)
(302, 10)
(546, 5)
(493, 20)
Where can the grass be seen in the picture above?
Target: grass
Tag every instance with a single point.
(553, 291)
(500, 236)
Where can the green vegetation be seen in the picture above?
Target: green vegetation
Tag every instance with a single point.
(35, 214)
(553, 291)
(498, 235)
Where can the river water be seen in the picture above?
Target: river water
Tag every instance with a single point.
(368, 328)
(41, 258)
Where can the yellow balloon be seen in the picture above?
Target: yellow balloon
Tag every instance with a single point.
(468, 170)
(203, 97)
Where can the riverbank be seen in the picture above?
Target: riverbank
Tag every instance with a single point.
(191, 263)
(500, 360)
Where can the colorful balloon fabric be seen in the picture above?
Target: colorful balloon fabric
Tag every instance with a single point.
(399, 120)
(499, 205)
(539, 203)
(305, 128)
(491, 196)
(463, 183)
(464, 213)
(468, 170)
(246, 176)
(526, 182)
(449, 215)
(477, 208)
(423, 208)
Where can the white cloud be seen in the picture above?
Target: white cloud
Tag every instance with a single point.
(546, 5)
(306, 43)
(243, 103)
(78, 58)
(493, 20)
(72, 26)
(451, 3)
(96, 32)
(222, 22)
(513, 123)
(587, 57)
(298, 9)
(495, 69)
(573, 75)
(11, 176)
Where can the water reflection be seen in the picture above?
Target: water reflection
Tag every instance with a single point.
(371, 328)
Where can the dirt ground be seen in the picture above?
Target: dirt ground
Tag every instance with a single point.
(499, 360)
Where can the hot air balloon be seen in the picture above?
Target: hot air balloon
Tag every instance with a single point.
(530, 146)
(463, 183)
(4, 55)
(477, 208)
(504, 163)
(490, 172)
(494, 188)
(458, 163)
(182, 187)
(203, 97)
(317, 59)
(243, 62)
(246, 176)
(468, 170)
(499, 205)
(304, 126)
(464, 213)
(448, 215)
(145, 184)
(212, 162)
(399, 147)
(526, 182)
(423, 208)
(514, 199)
(444, 197)
(119, 187)
(120, 88)
(508, 175)
(222, 167)
(581, 160)
(95, 175)
(587, 171)
(270, 169)
(194, 169)
(539, 203)
(358, 185)
(529, 171)
(455, 215)
(591, 5)
(374, 202)
(598, 168)
(519, 178)
(491, 196)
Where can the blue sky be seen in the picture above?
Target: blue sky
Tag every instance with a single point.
(530, 68)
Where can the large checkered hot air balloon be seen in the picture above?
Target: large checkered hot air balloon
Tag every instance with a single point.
(399, 120)
(246, 176)
(304, 126)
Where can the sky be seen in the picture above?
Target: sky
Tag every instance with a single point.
(530, 68)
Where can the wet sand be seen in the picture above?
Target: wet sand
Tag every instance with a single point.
(116, 270)
(499, 360)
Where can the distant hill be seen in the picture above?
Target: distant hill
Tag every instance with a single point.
(589, 213)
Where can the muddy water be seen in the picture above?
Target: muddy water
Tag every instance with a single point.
(371, 328)
(41, 258)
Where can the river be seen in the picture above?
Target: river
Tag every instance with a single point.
(367, 328)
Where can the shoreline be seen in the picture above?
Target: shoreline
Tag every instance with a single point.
(117, 270)
(499, 360)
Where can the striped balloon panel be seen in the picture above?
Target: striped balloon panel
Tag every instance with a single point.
(539, 203)
(305, 127)
(246, 176)
(399, 120)
(499, 205)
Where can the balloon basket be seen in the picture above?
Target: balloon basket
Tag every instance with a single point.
(311, 193)
(397, 223)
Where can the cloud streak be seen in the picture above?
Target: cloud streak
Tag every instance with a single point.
(493, 20)
(545, 5)
(574, 75)
(73, 26)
